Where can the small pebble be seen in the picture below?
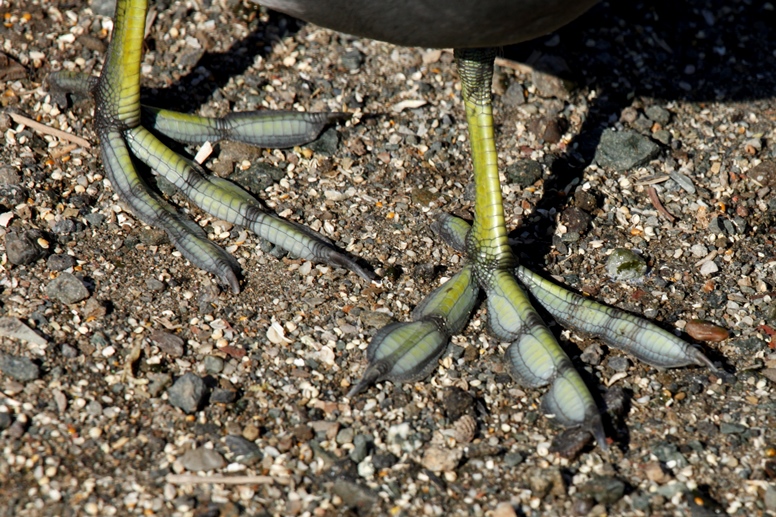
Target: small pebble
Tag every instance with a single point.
(187, 393)
(655, 473)
(706, 331)
(213, 364)
(624, 265)
(604, 489)
(244, 451)
(619, 363)
(504, 510)
(438, 459)
(200, 459)
(709, 268)
(625, 150)
(362, 443)
(169, 344)
(223, 396)
(159, 381)
(250, 432)
(384, 460)
(658, 113)
(60, 262)
(728, 428)
(354, 495)
(523, 173)
(67, 289)
(345, 436)
(457, 403)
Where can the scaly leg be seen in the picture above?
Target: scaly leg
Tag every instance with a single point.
(408, 351)
(119, 120)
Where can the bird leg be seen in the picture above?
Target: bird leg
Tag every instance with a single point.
(126, 130)
(408, 351)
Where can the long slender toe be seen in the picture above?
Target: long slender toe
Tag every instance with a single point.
(118, 121)
(276, 129)
(618, 329)
(409, 351)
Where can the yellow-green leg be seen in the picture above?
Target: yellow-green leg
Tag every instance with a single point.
(534, 357)
(408, 351)
(118, 119)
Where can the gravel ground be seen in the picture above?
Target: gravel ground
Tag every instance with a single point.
(142, 373)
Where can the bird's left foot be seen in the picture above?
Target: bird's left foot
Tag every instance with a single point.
(408, 351)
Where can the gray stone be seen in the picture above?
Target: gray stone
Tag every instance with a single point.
(154, 285)
(624, 150)
(69, 352)
(258, 177)
(514, 96)
(23, 248)
(9, 176)
(104, 7)
(546, 77)
(223, 396)
(5, 420)
(95, 219)
(604, 489)
(384, 460)
(66, 227)
(352, 60)
(523, 173)
(345, 436)
(669, 490)
(361, 445)
(200, 459)
(666, 452)
(12, 195)
(94, 408)
(152, 237)
(726, 428)
(243, 451)
(513, 459)
(169, 344)
(377, 319)
(213, 364)
(67, 288)
(619, 363)
(683, 181)
(770, 498)
(327, 143)
(658, 114)
(60, 262)
(187, 393)
(592, 354)
(20, 368)
(663, 136)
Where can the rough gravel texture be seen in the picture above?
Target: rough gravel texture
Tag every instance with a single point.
(95, 432)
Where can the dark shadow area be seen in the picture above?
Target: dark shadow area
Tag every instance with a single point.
(213, 70)
(690, 50)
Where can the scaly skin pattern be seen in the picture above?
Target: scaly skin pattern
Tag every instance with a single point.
(118, 120)
(400, 352)
(534, 357)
